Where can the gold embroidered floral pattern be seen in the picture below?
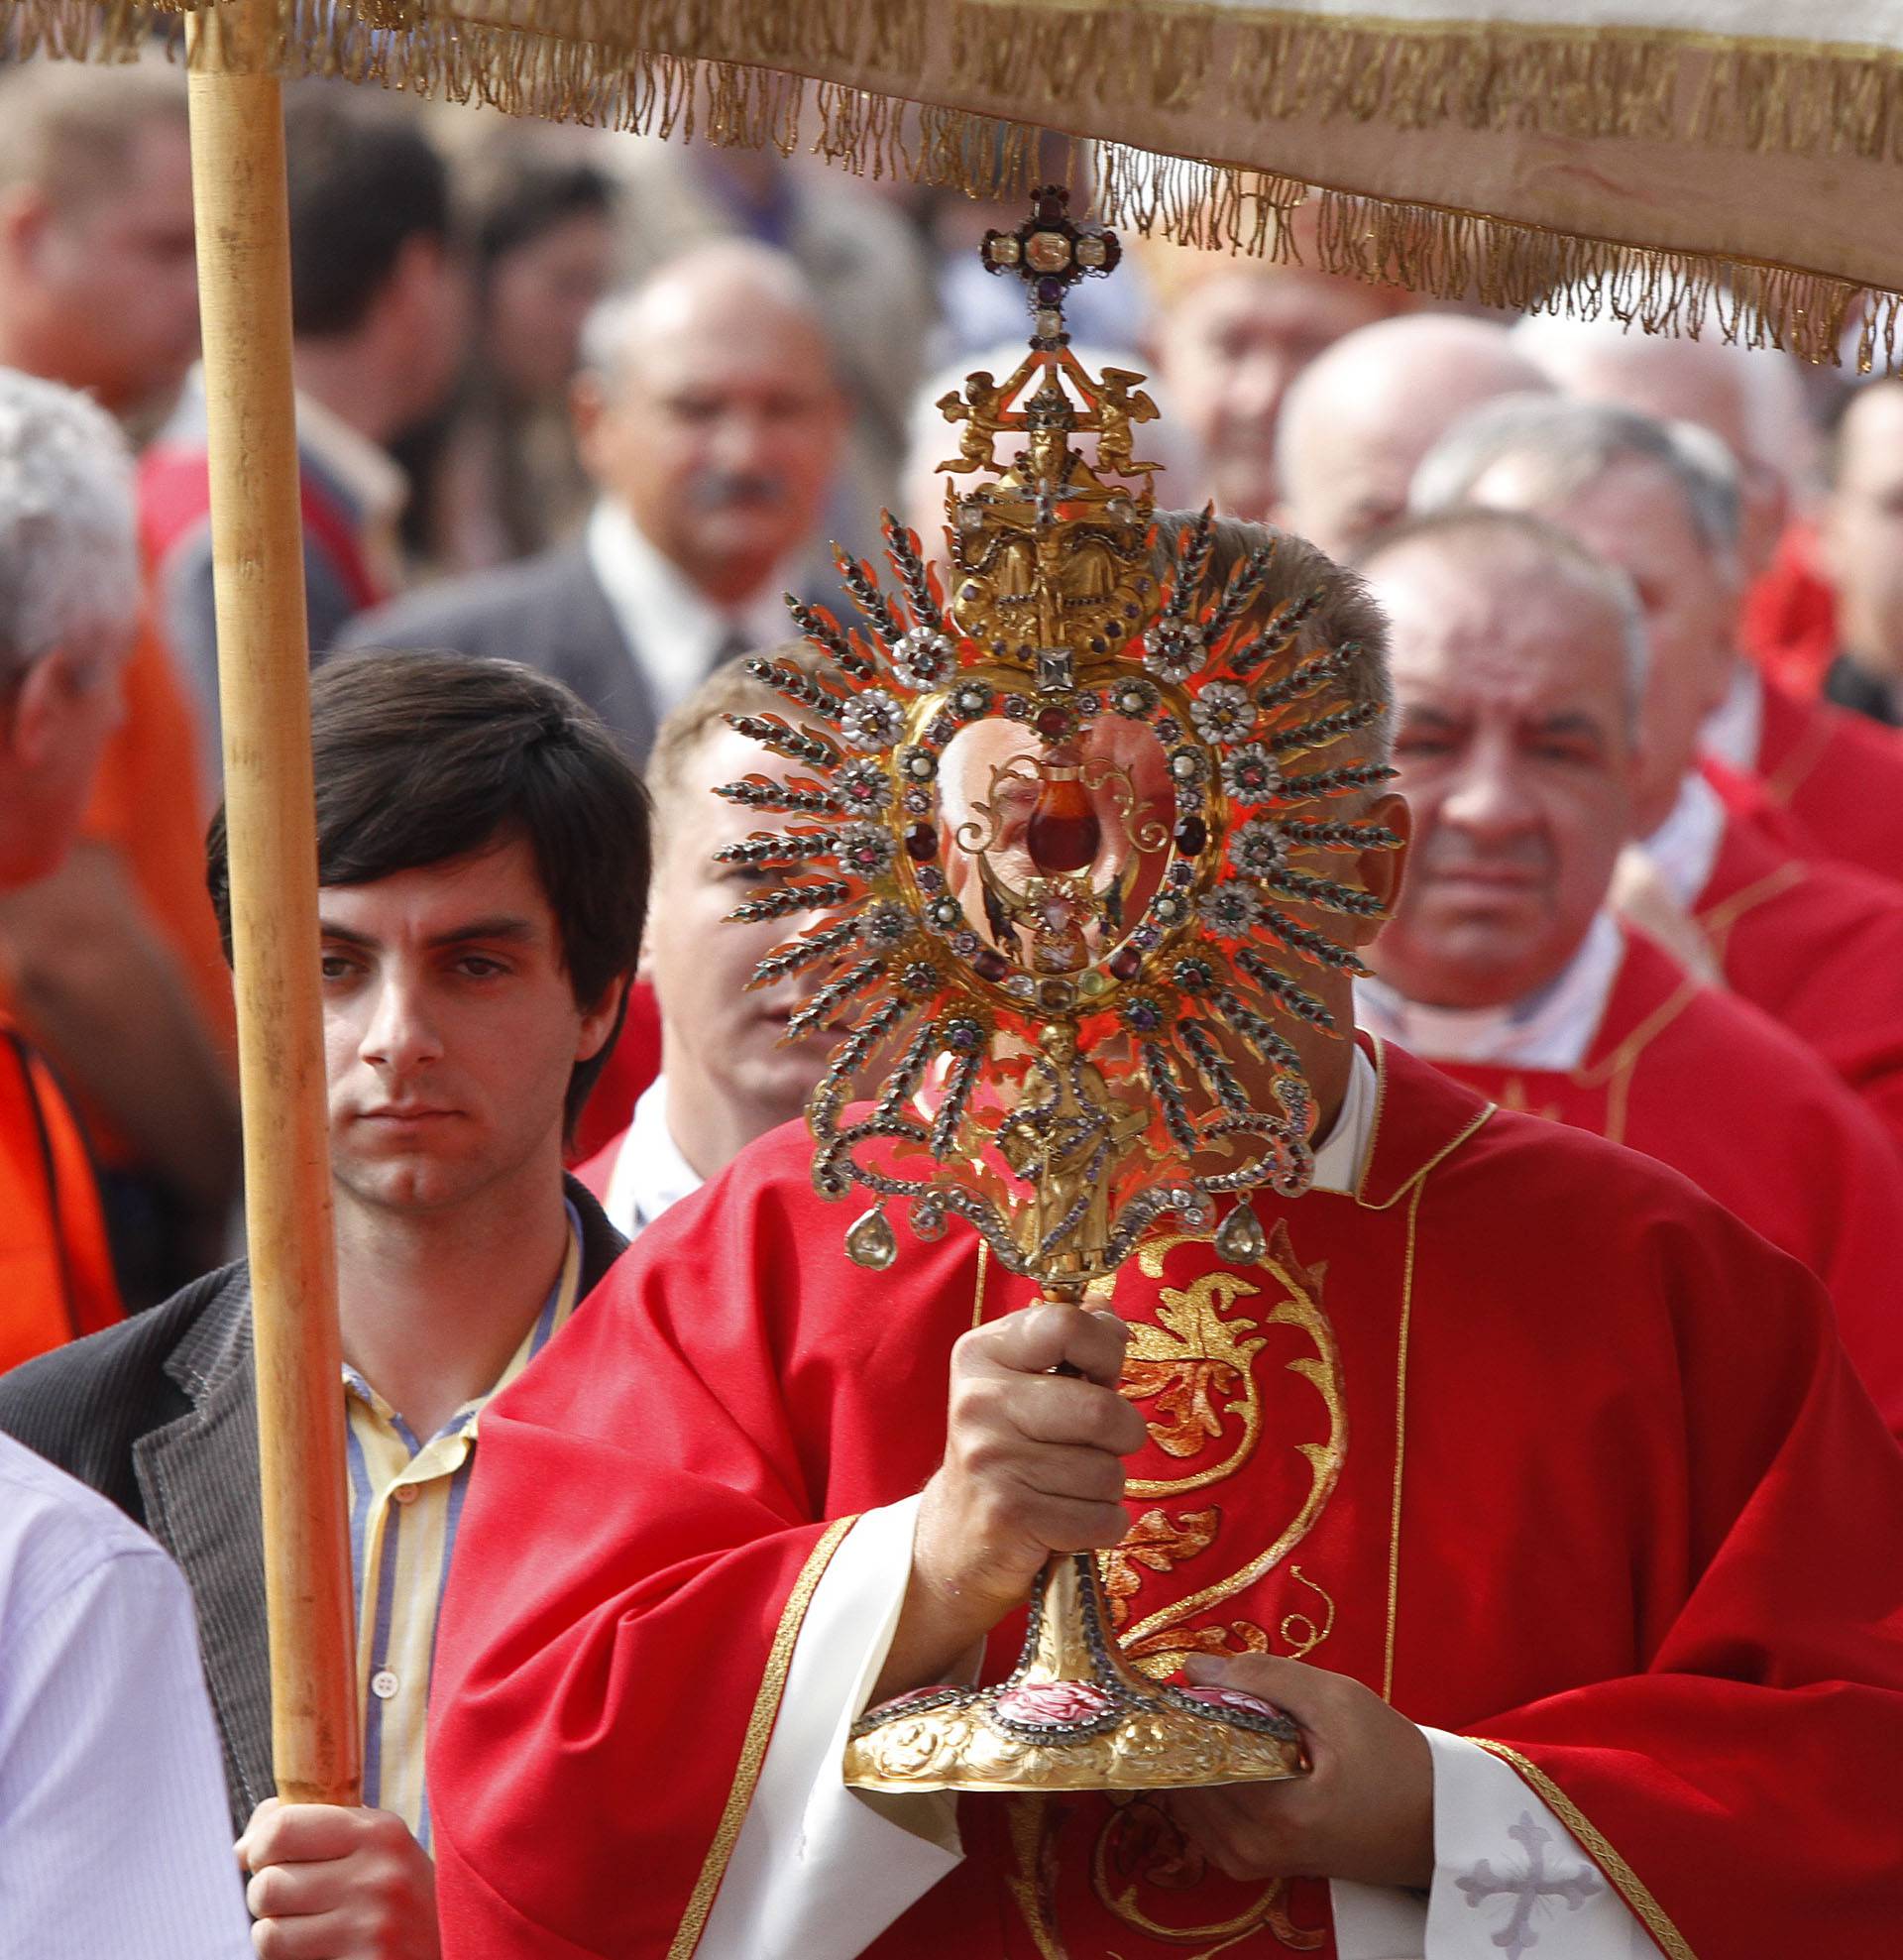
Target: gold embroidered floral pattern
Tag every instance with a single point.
(1141, 1851)
(1156, 1542)
(1193, 1367)
(1197, 1336)
(1032, 1884)
(1160, 1655)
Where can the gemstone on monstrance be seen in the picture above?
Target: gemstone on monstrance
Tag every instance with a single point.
(1063, 833)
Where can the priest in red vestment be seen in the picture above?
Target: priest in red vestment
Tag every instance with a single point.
(1517, 670)
(1534, 1485)
(1839, 777)
(1816, 945)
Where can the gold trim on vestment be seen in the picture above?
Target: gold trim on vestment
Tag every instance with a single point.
(1615, 1072)
(759, 74)
(1597, 1846)
(1791, 774)
(760, 1732)
(1419, 1174)
(1400, 1434)
(1717, 921)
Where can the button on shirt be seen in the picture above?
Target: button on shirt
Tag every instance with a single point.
(406, 1503)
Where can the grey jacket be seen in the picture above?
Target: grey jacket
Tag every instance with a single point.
(548, 612)
(160, 1415)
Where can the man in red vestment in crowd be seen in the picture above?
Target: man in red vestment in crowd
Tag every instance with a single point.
(1519, 667)
(1860, 530)
(1358, 420)
(1817, 946)
(1534, 1485)
(1841, 777)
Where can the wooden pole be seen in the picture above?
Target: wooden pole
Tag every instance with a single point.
(263, 691)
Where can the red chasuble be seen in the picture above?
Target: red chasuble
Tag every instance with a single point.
(1714, 1088)
(1526, 1432)
(1818, 947)
(1840, 776)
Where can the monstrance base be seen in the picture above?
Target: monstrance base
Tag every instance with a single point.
(1073, 1716)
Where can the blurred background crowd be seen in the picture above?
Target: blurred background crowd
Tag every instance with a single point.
(595, 402)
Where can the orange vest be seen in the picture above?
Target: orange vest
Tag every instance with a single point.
(56, 1272)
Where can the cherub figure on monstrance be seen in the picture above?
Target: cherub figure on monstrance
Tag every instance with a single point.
(1046, 823)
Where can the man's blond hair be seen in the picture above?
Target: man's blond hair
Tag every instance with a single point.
(728, 690)
(66, 127)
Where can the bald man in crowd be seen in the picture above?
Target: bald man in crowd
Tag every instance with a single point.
(709, 415)
(1520, 668)
(1817, 946)
(1232, 334)
(1842, 780)
(1359, 419)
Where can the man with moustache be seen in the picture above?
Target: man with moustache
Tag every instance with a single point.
(483, 864)
(1817, 945)
(1519, 667)
(710, 418)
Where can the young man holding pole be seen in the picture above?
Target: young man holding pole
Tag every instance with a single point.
(482, 854)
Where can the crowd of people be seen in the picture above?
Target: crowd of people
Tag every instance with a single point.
(1613, 1185)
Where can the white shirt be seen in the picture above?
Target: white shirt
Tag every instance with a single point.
(649, 1173)
(1552, 1028)
(1733, 730)
(114, 1833)
(675, 632)
(1684, 848)
(819, 1871)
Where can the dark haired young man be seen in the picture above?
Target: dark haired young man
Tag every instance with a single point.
(483, 851)
(379, 313)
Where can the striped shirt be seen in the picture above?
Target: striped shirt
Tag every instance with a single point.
(406, 1503)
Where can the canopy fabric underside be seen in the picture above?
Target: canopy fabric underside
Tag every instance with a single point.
(1726, 163)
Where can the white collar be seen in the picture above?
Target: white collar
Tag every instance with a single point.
(1552, 1028)
(649, 1173)
(674, 632)
(1684, 848)
(1340, 1156)
(1734, 730)
(372, 478)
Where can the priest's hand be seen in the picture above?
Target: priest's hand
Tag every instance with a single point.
(1033, 1464)
(330, 1882)
(1364, 1812)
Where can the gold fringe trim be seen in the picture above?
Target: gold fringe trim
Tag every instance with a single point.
(760, 1732)
(1060, 58)
(1597, 1846)
(733, 73)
